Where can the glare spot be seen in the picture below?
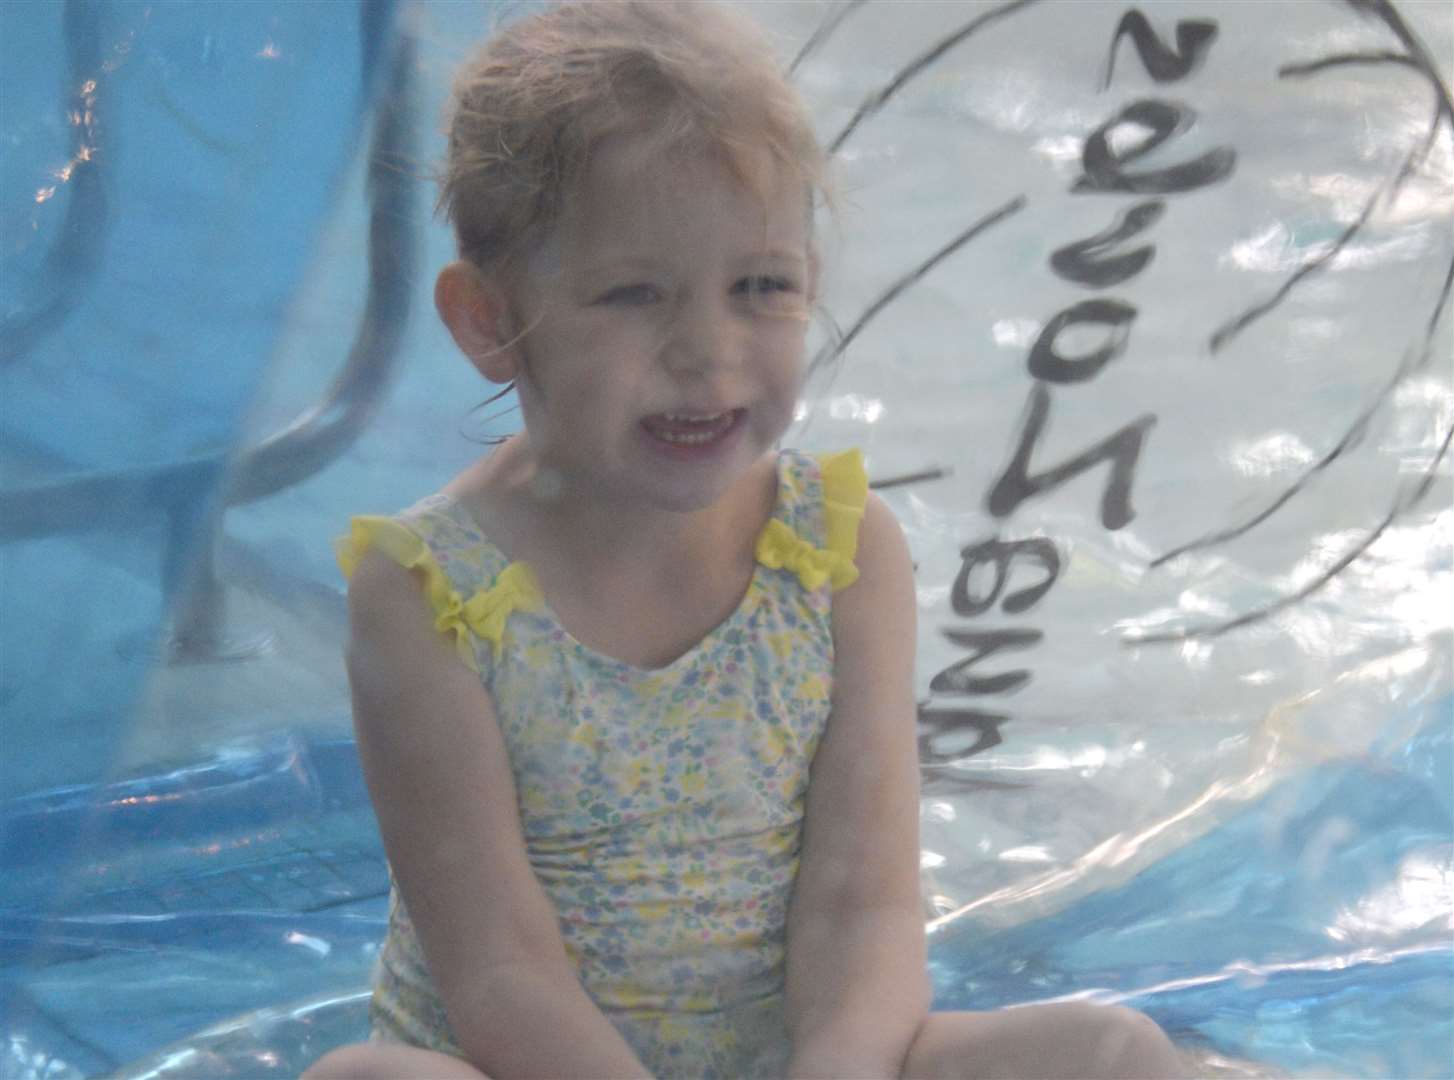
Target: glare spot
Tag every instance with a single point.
(1015, 333)
(1279, 452)
(1346, 195)
(1196, 603)
(1060, 148)
(1127, 136)
(855, 407)
(1272, 250)
(1422, 896)
(309, 942)
(1196, 653)
(941, 810)
(1030, 853)
(269, 52)
(931, 860)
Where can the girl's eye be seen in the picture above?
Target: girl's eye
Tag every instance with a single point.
(630, 295)
(764, 283)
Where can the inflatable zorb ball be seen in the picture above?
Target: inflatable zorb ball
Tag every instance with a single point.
(1141, 316)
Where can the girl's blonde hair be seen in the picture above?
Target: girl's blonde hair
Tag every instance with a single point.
(530, 107)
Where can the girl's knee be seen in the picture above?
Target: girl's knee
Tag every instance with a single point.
(1120, 1043)
(355, 1062)
(388, 1061)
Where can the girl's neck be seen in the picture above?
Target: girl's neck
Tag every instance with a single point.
(532, 513)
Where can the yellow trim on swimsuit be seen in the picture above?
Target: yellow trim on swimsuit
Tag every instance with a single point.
(845, 489)
(486, 612)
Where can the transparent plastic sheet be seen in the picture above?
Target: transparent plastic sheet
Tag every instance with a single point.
(1164, 407)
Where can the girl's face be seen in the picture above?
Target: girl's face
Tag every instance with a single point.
(669, 309)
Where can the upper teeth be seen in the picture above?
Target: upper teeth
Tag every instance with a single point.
(691, 418)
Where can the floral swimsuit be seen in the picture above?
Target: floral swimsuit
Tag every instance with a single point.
(662, 809)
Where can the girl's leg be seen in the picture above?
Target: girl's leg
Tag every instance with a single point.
(1067, 1041)
(389, 1061)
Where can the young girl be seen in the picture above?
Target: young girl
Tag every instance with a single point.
(634, 692)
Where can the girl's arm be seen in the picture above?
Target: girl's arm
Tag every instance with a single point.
(437, 770)
(857, 981)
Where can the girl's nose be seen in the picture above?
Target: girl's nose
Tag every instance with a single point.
(701, 338)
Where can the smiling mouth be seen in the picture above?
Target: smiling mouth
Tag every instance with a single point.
(692, 429)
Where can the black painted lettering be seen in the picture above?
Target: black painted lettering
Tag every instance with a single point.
(1122, 449)
(1001, 554)
(957, 678)
(938, 726)
(1193, 38)
(1090, 262)
(1104, 166)
(1047, 363)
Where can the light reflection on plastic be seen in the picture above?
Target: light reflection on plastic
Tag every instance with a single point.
(1281, 451)
(1400, 561)
(1346, 195)
(1326, 838)
(147, 800)
(1015, 333)
(1422, 896)
(1087, 760)
(942, 810)
(1323, 551)
(942, 904)
(1195, 653)
(1119, 849)
(1415, 392)
(1276, 250)
(1245, 974)
(1316, 632)
(308, 941)
(1030, 853)
(930, 860)
(855, 407)
(84, 117)
(217, 847)
(268, 52)
(1061, 149)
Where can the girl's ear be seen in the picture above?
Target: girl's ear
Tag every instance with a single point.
(477, 313)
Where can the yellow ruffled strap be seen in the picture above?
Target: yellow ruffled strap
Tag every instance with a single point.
(484, 613)
(845, 490)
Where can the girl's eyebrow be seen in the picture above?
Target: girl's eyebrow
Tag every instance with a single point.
(611, 262)
(778, 255)
(614, 262)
